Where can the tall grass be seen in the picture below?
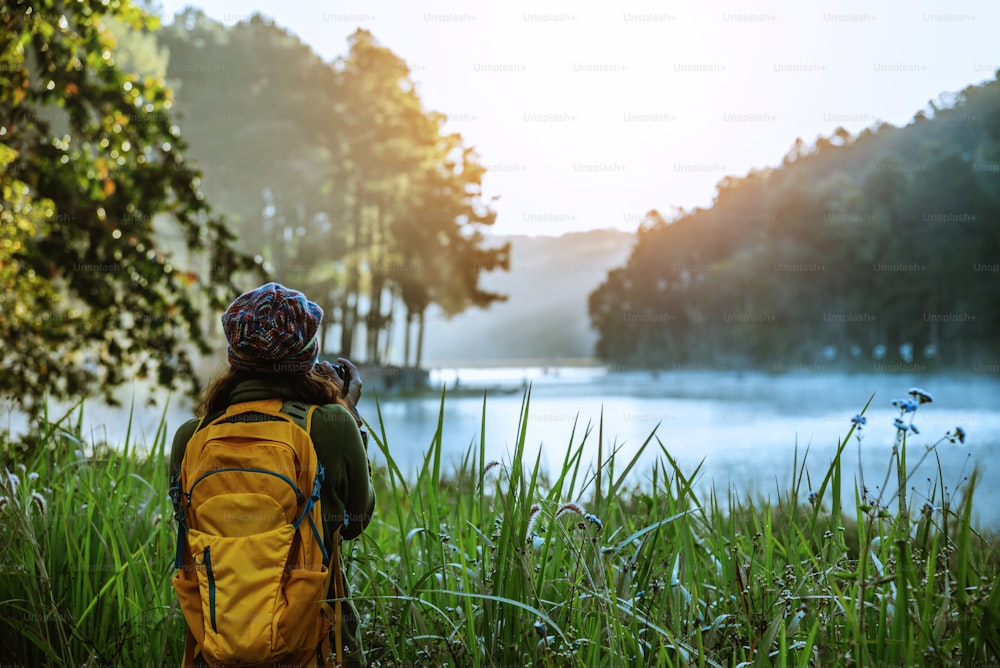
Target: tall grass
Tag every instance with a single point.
(86, 549)
(497, 563)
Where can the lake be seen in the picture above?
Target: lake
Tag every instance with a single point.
(744, 426)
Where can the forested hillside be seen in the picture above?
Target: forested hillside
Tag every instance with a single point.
(878, 251)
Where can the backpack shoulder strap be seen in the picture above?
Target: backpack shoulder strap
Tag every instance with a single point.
(301, 413)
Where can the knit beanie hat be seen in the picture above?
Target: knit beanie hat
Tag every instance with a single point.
(273, 329)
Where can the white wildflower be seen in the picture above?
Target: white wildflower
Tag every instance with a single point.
(39, 500)
(12, 481)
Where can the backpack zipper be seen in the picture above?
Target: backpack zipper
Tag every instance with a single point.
(299, 496)
(211, 586)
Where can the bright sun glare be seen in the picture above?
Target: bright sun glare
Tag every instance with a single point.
(589, 114)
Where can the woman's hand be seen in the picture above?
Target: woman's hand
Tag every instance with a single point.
(353, 380)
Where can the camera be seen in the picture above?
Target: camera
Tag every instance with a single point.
(342, 372)
(345, 377)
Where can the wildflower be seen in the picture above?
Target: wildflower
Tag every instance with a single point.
(33, 475)
(922, 396)
(540, 628)
(859, 420)
(813, 497)
(959, 434)
(900, 425)
(904, 405)
(594, 520)
(914, 429)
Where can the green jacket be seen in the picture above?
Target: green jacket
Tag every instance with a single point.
(347, 488)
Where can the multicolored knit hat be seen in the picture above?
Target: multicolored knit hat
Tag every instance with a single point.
(273, 329)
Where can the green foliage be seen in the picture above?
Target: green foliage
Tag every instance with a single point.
(90, 155)
(493, 564)
(884, 240)
(86, 547)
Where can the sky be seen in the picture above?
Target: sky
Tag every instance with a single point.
(589, 114)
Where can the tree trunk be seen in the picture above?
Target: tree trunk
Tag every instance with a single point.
(350, 322)
(353, 284)
(406, 337)
(373, 321)
(326, 304)
(376, 260)
(420, 341)
(386, 355)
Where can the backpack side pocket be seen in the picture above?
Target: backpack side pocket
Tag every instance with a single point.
(240, 581)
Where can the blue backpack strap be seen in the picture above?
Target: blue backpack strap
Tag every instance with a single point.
(177, 496)
(302, 414)
(307, 510)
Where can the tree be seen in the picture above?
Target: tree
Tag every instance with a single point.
(414, 202)
(882, 242)
(90, 155)
(255, 102)
(333, 173)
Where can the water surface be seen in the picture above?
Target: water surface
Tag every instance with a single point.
(742, 428)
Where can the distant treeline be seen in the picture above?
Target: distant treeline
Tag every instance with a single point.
(877, 252)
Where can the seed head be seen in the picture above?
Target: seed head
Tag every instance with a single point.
(533, 514)
(490, 465)
(12, 481)
(38, 500)
(570, 508)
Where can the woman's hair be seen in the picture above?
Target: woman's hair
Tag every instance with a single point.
(314, 387)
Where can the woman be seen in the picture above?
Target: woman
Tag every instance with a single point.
(273, 353)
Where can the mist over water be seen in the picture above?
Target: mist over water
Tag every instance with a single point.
(744, 427)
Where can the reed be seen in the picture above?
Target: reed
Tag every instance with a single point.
(495, 563)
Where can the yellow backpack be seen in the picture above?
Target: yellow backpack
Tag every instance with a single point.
(253, 570)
